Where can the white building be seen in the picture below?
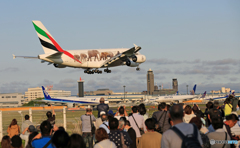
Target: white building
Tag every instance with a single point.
(34, 93)
(11, 100)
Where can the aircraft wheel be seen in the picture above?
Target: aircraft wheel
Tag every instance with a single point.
(105, 70)
(137, 69)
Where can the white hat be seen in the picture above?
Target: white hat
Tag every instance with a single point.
(102, 112)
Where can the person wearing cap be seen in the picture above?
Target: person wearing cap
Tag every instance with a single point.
(16, 142)
(99, 120)
(30, 130)
(105, 124)
(102, 107)
(216, 106)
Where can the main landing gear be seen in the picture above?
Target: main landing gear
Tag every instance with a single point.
(137, 69)
(107, 70)
(88, 71)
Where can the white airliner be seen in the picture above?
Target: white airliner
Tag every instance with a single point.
(71, 101)
(173, 98)
(90, 60)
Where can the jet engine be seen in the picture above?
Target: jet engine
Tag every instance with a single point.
(70, 105)
(59, 66)
(139, 58)
(131, 63)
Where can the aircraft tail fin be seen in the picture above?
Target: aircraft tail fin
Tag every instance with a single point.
(194, 90)
(45, 93)
(233, 93)
(49, 44)
(177, 93)
(204, 94)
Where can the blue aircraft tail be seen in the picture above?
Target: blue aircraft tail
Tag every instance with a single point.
(204, 94)
(233, 93)
(45, 93)
(194, 90)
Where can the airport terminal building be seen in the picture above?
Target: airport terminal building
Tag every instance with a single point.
(11, 100)
(34, 93)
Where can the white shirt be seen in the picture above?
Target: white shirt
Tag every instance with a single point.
(106, 143)
(140, 122)
(118, 117)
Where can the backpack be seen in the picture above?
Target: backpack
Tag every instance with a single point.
(188, 141)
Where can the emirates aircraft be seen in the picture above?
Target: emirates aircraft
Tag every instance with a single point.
(91, 59)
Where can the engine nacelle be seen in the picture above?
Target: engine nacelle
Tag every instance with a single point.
(139, 58)
(131, 63)
(59, 66)
(71, 105)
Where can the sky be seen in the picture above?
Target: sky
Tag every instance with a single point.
(197, 42)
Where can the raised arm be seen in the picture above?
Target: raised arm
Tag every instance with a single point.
(53, 112)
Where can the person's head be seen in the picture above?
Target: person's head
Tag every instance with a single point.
(6, 142)
(231, 120)
(195, 109)
(101, 100)
(49, 114)
(101, 134)
(32, 129)
(150, 124)
(188, 110)
(121, 110)
(14, 122)
(113, 124)
(209, 105)
(76, 141)
(16, 142)
(159, 107)
(168, 107)
(121, 124)
(213, 113)
(142, 111)
(217, 123)
(239, 103)
(216, 104)
(104, 117)
(134, 109)
(60, 139)
(228, 100)
(197, 121)
(127, 123)
(26, 117)
(30, 137)
(45, 128)
(61, 128)
(163, 105)
(176, 112)
(88, 110)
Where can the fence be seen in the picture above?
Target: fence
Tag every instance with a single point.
(70, 120)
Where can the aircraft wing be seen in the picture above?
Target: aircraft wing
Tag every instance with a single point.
(121, 57)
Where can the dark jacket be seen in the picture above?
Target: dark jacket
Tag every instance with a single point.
(164, 121)
(102, 107)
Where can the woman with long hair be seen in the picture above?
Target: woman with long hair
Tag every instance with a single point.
(188, 114)
(13, 129)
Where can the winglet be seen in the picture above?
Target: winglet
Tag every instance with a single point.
(137, 48)
(14, 57)
(46, 95)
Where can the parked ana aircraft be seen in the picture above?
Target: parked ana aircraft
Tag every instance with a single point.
(70, 101)
(174, 98)
(90, 60)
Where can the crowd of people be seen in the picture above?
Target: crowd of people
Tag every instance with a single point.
(176, 126)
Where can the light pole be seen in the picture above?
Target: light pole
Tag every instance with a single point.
(124, 92)
(160, 89)
(187, 89)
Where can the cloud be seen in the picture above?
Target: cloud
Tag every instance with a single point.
(233, 79)
(163, 61)
(14, 86)
(10, 69)
(222, 62)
